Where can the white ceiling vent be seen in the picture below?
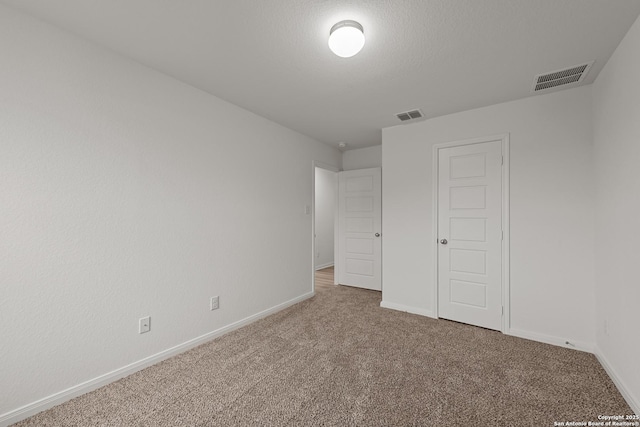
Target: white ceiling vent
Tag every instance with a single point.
(410, 115)
(575, 74)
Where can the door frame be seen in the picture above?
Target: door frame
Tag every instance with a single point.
(317, 164)
(505, 276)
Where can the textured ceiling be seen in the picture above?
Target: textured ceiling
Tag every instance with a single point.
(271, 56)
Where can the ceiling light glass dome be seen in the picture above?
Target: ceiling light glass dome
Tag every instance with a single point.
(346, 38)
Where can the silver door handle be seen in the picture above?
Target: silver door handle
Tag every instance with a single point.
(444, 241)
(377, 234)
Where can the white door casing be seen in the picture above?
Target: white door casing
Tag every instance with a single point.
(360, 234)
(325, 209)
(470, 213)
(321, 165)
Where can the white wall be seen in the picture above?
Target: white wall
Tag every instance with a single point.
(126, 193)
(552, 279)
(362, 158)
(325, 206)
(616, 129)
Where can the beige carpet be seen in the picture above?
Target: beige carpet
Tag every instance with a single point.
(339, 359)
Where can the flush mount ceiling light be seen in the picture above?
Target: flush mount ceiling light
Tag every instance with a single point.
(346, 38)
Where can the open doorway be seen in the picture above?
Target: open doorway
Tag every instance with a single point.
(324, 223)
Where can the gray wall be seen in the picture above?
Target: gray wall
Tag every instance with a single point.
(616, 129)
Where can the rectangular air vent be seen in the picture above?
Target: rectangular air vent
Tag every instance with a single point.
(409, 115)
(575, 74)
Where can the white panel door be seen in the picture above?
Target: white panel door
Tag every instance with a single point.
(359, 225)
(470, 234)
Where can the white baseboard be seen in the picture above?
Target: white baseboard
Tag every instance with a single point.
(33, 408)
(408, 309)
(320, 267)
(549, 339)
(632, 400)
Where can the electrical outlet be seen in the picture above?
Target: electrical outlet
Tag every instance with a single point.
(144, 325)
(215, 303)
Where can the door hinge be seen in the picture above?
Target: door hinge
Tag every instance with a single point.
(502, 162)
(502, 235)
(503, 310)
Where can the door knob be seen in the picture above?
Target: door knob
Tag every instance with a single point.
(444, 241)
(377, 234)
